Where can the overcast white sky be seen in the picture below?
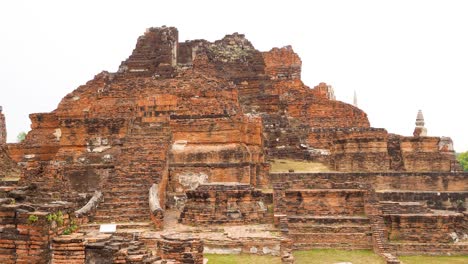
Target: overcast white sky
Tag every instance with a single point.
(399, 56)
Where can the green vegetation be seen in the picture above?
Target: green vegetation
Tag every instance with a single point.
(434, 259)
(20, 137)
(284, 165)
(326, 256)
(463, 159)
(32, 219)
(72, 228)
(51, 217)
(319, 256)
(242, 259)
(57, 217)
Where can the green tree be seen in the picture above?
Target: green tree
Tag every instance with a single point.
(20, 137)
(463, 159)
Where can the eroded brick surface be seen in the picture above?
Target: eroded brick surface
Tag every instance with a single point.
(200, 120)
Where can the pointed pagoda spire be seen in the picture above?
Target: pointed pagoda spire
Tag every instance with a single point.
(420, 130)
(420, 119)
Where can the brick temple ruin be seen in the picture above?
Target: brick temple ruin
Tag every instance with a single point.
(175, 149)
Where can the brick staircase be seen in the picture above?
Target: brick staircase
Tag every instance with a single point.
(324, 218)
(142, 162)
(380, 241)
(345, 232)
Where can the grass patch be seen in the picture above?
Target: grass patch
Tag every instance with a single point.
(327, 256)
(284, 165)
(434, 259)
(241, 259)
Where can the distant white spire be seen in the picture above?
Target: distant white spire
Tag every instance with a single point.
(355, 99)
(420, 130)
(420, 119)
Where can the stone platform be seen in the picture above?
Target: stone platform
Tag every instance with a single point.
(224, 203)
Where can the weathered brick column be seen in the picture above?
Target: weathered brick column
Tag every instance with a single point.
(182, 248)
(68, 249)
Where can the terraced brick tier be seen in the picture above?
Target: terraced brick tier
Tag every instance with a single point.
(182, 248)
(320, 202)
(223, 203)
(435, 227)
(441, 200)
(350, 232)
(412, 248)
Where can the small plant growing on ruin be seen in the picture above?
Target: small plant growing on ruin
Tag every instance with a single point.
(51, 217)
(72, 228)
(59, 219)
(21, 137)
(13, 201)
(33, 219)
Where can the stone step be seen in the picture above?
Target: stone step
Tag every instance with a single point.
(134, 154)
(120, 206)
(124, 186)
(323, 245)
(114, 192)
(125, 182)
(326, 190)
(339, 238)
(330, 228)
(329, 219)
(154, 138)
(138, 196)
(123, 212)
(137, 171)
(134, 163)
(122, 218)
(116, 210)
(124, 203)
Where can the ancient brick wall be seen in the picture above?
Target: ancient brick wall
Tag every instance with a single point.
(223, 203)
(448, 249)
(283, 63)
(344, 232)
(270, 84)
(394, 207)
(68, 250)
(155, 53)
(413, 181)
(415, 227)
(363, 154)
(26, 236)
(180, 248)
(455, 201)
(323, 138)
(41, 143)
(424, 154)
(320, 202)
(8, 168)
